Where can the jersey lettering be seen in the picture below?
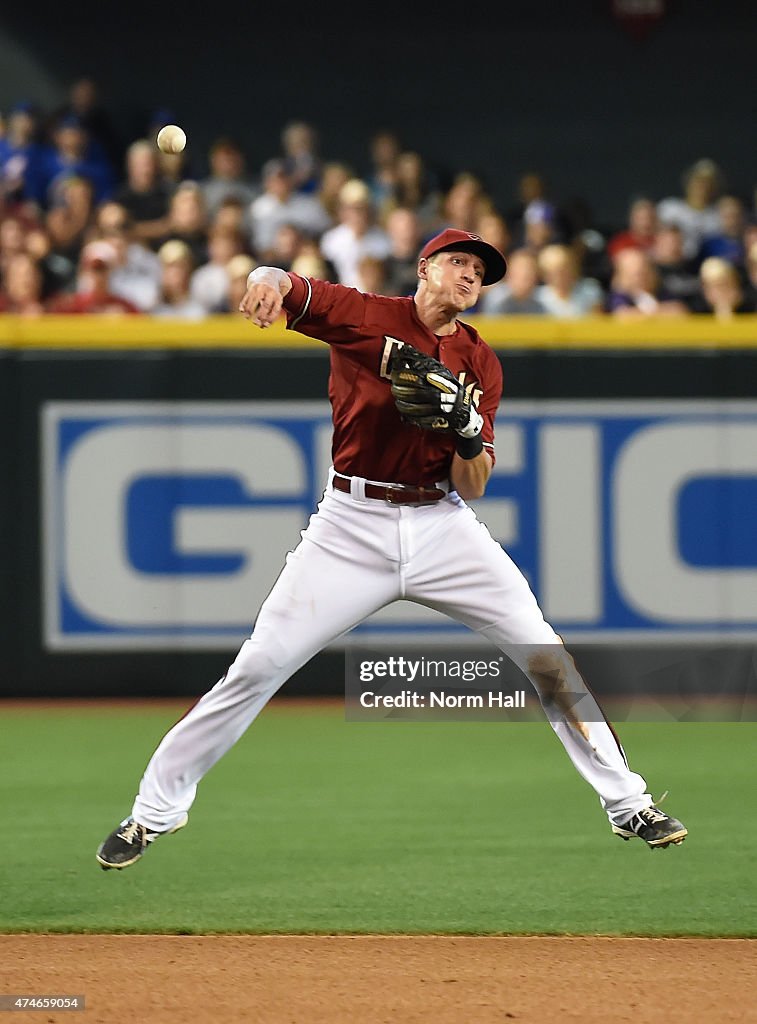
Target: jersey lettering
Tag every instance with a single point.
(474, 392)
(390, 345)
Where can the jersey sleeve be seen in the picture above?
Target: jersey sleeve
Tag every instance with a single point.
(329, 312)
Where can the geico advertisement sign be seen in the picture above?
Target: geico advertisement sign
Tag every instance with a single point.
(165, 525)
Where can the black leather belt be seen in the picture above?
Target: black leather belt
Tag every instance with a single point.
(395, 494)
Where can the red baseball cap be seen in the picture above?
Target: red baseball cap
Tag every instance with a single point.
(453, 240)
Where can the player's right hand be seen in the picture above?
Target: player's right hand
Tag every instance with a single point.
(261, 304)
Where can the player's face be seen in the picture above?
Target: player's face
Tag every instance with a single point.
(456, 278)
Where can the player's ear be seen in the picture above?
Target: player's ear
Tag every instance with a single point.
(423, 268)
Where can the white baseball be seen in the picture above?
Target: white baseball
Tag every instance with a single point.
(172, 139)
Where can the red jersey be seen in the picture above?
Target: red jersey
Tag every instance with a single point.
(370, 438)
(92, 302)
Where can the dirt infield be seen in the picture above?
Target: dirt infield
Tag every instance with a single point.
(377, 979)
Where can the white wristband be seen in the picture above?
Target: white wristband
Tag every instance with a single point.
(266, 275)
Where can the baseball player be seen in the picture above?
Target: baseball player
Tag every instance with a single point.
(414, 392)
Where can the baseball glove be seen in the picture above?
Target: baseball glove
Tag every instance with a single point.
(427, 394)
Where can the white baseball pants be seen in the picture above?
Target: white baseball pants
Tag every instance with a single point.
(357, 555)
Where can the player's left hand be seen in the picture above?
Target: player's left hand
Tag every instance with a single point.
(429, 395)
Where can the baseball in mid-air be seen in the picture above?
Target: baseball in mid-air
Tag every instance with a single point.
(171, 139)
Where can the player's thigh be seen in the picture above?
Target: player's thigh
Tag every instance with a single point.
(320, 594)
(473, 580)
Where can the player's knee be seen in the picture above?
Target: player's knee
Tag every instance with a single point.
(258, 664)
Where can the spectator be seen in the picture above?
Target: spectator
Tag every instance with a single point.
(299, 143)
(280, 204)
(533, 197)
(58, 272)
(382, 179)
(310, 262)
(563, 293)
(333, 177)
(728, 241)
(22, 158)
(227, 177)
(176, 301)
(493, 228)
(520, 296)
(575, 219)
(531, 189)
(465, 203)
(238, 270)
(371, 275)
(403, 227)
(110, 215)
(84, 103)
(22, 291)
(695, 214)
(71, 217)
(641, 230)
(230, 216)
(677, 275)
(145, 194)
(94, 295)
(635, 290)
(136, 271)
(590, 250)
(210, 282)
(174, 167)
(188, 221)
(416, 191)
(12, 239)
(722, 290)
(539, 228)
(356, 235)
(749, 237)
(286, 244)
(74, 156)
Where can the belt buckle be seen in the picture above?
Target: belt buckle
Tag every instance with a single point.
(419, 493)
(394, 489)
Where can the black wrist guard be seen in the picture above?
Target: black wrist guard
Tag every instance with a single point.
(469, 447)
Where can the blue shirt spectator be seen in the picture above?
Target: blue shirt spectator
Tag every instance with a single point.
(22, 157)
(728, 242)
(72, 156)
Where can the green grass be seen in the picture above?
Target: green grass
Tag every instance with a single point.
(311, 824)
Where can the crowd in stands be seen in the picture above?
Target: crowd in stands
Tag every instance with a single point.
(87, 228)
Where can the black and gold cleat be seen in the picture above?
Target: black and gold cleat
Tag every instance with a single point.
(127, 844)
(655, 827)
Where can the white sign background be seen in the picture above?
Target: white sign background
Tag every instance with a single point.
(584, 496)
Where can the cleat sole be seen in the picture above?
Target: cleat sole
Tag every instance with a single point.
(676, 839)
(656, 844)
(116, 867)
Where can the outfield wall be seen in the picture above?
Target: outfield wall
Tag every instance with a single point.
(155, 474)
